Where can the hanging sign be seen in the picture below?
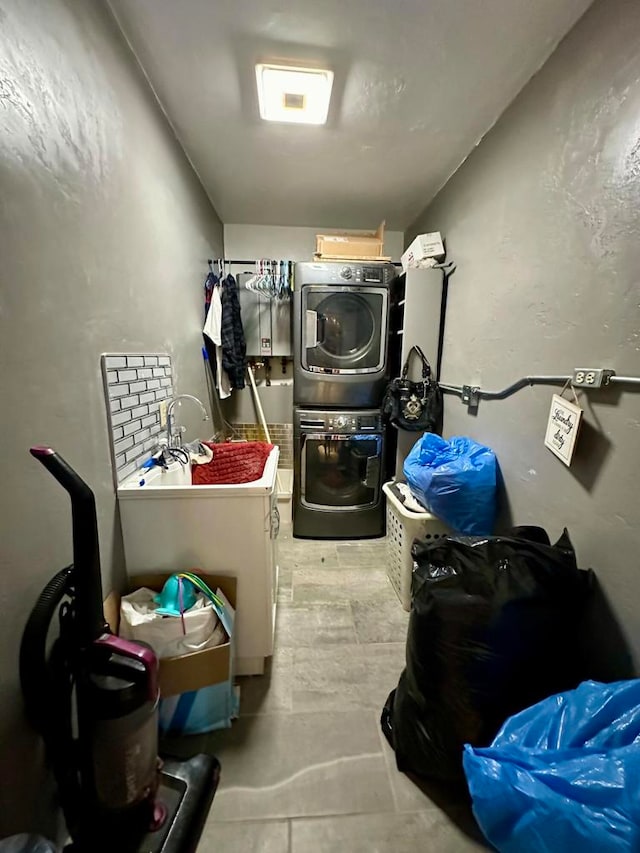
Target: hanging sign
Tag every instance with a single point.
(562, 428)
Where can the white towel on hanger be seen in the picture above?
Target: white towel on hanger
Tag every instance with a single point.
(213, 330)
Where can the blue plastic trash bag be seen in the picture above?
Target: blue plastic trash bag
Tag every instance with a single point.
(564, 775)
(455, 480)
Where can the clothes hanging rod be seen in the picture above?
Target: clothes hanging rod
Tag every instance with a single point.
(232, 262)
(228, 261)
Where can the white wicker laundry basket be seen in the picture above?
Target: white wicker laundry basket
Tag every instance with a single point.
(403, 526)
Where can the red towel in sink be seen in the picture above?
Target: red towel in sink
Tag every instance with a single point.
(240, 462)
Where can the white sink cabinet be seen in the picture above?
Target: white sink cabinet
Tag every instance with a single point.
(220, 529)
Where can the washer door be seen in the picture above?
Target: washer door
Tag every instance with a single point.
(344, 329)
(340, 471)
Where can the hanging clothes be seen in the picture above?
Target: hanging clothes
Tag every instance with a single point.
(209, 283)
(234, 348)
(213, 331)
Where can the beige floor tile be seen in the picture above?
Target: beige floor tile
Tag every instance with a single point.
(284, 765)
(314, 624)
(366, 554)
(269, 693)
(270, 836)
(318, 585)
(382, 621)
(432, 831)
(285, 583)
(334, 678)
(300, 552)
(384, 663)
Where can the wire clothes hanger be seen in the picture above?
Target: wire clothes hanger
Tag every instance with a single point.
(271, 279)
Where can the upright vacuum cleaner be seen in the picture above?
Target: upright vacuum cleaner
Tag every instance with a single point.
(94, 699)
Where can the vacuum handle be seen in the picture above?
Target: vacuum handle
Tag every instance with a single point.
(136, 651)
(62, 471)
(86, 551)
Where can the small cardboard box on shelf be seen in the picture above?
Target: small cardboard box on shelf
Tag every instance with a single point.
(424, 251)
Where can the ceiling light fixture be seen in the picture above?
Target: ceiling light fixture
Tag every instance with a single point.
(293, 94)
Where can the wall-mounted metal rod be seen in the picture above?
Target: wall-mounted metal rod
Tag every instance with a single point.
(509, 390)
(450, 389)
(472, 394)
(624, 380)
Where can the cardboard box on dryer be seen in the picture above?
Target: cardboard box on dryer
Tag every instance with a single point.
(350, 246)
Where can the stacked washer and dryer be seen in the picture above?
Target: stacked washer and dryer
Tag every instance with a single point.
(340, 338)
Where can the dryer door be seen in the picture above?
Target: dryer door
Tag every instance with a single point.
(344, 329)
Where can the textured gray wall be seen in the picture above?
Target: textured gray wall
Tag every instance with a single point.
(543, 221)
(104, 236)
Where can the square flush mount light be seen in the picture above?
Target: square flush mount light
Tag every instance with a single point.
(293, 94)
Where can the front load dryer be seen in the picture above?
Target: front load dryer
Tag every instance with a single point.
(340, 333)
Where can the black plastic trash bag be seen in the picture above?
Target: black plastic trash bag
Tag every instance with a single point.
(495, 626)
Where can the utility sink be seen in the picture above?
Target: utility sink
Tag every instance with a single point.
(178, 479)
(177, 474)
(170, 525)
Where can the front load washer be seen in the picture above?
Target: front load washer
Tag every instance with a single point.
(338, 473)
(340, 333)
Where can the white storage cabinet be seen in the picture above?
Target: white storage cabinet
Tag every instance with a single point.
(419, 323)
(219, 529)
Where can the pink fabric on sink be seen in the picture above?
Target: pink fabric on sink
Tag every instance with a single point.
(241, 462)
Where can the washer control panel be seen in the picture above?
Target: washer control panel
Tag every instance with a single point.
(340, 422)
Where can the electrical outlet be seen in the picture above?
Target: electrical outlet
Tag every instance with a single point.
(163, 413)
(590, 377)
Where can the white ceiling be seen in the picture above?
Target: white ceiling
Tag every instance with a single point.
(418, 83)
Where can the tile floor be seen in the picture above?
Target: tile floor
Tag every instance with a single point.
(306, 768)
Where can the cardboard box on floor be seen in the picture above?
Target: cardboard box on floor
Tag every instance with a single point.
(193, 671)
(351, 247)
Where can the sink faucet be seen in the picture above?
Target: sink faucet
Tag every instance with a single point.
(173, 438)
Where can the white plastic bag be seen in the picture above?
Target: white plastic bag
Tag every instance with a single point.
(166, 634)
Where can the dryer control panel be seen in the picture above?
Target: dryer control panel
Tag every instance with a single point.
(364, 275)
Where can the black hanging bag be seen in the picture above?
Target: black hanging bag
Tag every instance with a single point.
(414, 406)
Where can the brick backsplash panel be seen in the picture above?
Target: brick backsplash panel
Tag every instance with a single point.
(134, 386)
(281, 434)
